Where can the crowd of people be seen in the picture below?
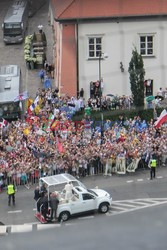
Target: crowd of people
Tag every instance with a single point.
(48, 142)
(110, 102)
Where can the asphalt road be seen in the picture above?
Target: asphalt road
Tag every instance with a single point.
(138, 230)
(119, 187)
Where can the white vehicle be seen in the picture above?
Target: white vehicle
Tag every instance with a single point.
(82, 200)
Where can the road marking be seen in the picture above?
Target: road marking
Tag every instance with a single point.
(135, 204)
(129, 181)
(159, 177)
(14, 211)
(117, 207)
(47, 226)
(32, 223)
(34, 209)
(139, 179)
(86, 217)
(127, 205)
(21, 228)
(3, 230)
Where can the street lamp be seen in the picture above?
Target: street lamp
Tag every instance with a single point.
(101, 56)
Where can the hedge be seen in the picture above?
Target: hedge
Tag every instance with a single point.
(113, 115)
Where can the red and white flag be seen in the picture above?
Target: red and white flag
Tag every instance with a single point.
(21, 97)
(162, 119)
(3, 123)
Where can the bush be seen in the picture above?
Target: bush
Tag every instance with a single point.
(146, 114)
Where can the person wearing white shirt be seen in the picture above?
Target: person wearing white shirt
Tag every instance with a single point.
(68, 191)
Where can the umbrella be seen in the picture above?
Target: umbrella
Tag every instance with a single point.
(150, 98)
(110, 95)
(159, 96)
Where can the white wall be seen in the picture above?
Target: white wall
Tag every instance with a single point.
(118, 41)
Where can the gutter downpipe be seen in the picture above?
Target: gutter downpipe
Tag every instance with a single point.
(77, 58)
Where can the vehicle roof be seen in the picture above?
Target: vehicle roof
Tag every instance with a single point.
(15, 11)
(58, 179)
(80, 189)
(9, 83)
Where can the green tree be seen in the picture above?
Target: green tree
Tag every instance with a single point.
(137, 73)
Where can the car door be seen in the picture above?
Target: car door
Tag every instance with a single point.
(76, 205)
(88, 202)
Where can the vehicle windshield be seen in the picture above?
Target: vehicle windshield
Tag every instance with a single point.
(12, 29)
(92, 192)
(9, 108)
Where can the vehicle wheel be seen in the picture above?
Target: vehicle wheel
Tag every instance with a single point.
(64, 216)
(104, 207)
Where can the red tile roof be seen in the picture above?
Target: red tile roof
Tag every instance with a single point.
(76, 9)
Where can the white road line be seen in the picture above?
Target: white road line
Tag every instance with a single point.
(139, 179)
(159, 177)
(129, 181)
(14, 211)
(34, 209)
(159, 199)
(32, 223)
(21, 228)
(139, 203)
(138, 208)
(3, 230)
(127, 205)
(118, 208)
(86, 217)
(47, 226)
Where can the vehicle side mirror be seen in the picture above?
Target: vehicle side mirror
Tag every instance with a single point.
(2, 25)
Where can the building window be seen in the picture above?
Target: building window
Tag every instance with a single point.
(146, 45)
(95, 46)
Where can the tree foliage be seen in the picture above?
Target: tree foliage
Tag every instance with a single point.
(137, 73)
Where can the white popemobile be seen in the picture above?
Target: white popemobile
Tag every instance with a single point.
(82, 199)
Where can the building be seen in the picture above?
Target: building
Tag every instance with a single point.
(87, 29)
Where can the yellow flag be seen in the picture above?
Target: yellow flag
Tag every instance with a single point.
(26, 131)
(29, 102)
(37, 109)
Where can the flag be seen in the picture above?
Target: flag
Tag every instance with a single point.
(55, 125)
(34, 104)
(50, 120)
(29, 102)
(26, 131)
(162, 119)
(21, 97)
(3, 123)
(60, 147)
(37, 109)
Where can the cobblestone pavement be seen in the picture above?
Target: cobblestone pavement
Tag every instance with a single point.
(13, 54)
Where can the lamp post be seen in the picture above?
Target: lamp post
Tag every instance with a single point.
(100, 57)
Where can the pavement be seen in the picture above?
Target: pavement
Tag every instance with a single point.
(14, 54)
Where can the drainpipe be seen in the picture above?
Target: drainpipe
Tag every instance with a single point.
(77, 57)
